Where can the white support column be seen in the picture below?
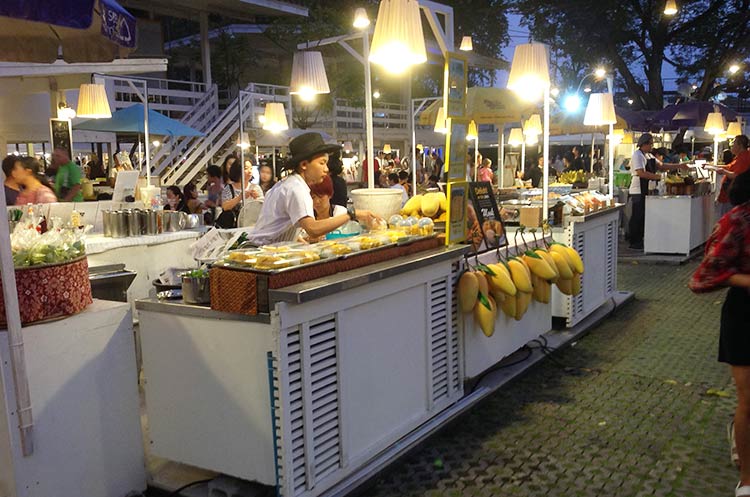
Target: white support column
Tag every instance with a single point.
(545, 154)
(368, 111)
(205, 49)
(501, 159)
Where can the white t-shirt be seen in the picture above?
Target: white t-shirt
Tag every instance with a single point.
(286, 203)
(638, 161)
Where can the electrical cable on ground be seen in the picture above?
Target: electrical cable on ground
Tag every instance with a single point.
(176, 493)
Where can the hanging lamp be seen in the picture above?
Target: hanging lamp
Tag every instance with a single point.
(361, 19)
(670, 8)
(308, 76)
(467, 44)
(516, 137)
(473, 132)
(93, 102)
(441, 126)
(275, 118)
(533, 126)
(529, 72)
(600, 110)
(398, 41)
(734, 129)
(715, 124)
(387, 148)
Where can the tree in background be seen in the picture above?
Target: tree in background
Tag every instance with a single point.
(636, 38)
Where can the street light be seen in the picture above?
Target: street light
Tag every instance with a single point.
(670, 8)
(554, 92)
(376, 94)
(734, 68)
(600, 72)
(572, 103)
(529, 76)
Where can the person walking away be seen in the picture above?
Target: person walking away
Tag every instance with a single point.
(36, 187)
(13, 170)
(577, 164)
(67, 178)
(726, 263)
(739, 165)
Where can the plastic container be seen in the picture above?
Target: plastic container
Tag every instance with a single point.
(383, 202)
(426, 226)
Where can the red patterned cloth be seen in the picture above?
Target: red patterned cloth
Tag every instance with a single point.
(51, 291)
(727, 251)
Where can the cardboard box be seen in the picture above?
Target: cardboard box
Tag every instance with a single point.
(531, 217)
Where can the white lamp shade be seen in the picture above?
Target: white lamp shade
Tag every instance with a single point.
(473, 132)
(467, 45)
(533, 126)
(600, 110)
(715, 124)
(670, 8)
(516, 137)
(532, 139)
(398, 42)
(308, 75)
(275, 118)
(244, 141)
(529, 72)
(92, 102)
(387, 148)
(361, 19)
(348, 147)
(734, 129)
(440, 125)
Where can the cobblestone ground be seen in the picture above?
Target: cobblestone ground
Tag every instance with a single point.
(637, 407)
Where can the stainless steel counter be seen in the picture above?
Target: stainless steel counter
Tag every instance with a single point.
(330, 285)
(595, 214)
(200, 311)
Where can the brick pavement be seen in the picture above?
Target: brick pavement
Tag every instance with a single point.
(624, 412)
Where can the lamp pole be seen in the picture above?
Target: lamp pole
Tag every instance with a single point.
(501, 159)
(242, 148)
(611, 158)
(545, 154)
(368, 110)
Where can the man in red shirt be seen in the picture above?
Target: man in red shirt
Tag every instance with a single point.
(376, 168)
(739, 165)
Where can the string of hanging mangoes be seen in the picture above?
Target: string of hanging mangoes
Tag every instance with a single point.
(514, 280)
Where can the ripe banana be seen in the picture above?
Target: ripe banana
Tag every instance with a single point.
(502, 280)
(521, 276)
(538, 265)
(468, 287)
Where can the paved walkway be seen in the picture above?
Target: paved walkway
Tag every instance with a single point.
(638, 407)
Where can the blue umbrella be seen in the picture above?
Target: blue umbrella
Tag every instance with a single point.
(130, 120)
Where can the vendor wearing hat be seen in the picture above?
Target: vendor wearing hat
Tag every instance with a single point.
(643, 169)
(288, 204)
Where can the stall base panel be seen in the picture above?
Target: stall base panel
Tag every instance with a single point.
(84, 394)
(207, 393)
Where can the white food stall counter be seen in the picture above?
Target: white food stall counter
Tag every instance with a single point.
(677, 224)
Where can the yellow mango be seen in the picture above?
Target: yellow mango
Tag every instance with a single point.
(576, 258)
(509, 306)
(468, 287)
(430, 204)
(565, 286)
(484, 287)
(521, 276)
(576, 288)
(562, 265)
(485, 318)
(412, 206)
(502, 280)
(539, 266)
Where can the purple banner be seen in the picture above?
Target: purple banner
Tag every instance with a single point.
(117, 23)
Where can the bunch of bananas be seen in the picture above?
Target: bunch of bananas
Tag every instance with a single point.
(569, 266)
(572, 177)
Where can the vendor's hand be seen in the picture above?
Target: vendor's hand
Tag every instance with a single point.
(250, 194)
(367, 217)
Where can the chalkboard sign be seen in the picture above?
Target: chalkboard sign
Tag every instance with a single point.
(61, 135)
(487, 214)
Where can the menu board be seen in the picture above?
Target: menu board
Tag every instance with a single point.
(488, 218)
(458, 200)
(456, 149)
(61, 135)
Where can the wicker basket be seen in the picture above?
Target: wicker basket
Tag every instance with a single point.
(51, 291)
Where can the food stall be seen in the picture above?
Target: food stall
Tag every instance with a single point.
(679, 221)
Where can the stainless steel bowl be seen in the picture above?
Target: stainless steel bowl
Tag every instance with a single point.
(196, 290)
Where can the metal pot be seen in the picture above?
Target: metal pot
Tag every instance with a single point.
(134, 222)
(119, 224)
(107, 222)
(152, 222)
(173, 221)
(196, 290)
(193, 221)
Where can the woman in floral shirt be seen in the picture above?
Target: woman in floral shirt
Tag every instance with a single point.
(36, 188)
(726, 263)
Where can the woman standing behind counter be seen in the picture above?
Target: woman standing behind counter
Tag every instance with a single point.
(289, 204)
(643, 168)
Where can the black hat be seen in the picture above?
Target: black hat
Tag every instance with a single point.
(306, 146)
